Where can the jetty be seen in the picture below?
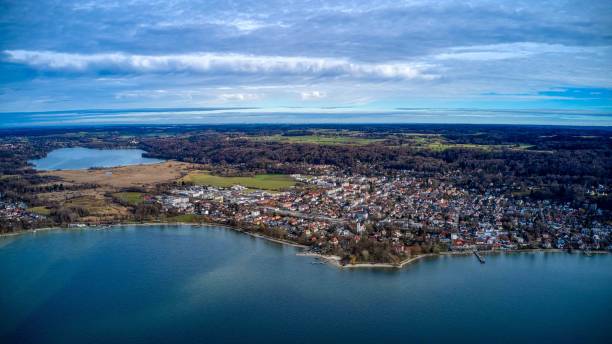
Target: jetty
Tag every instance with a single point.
(479, 256)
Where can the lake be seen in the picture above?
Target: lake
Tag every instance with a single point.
(83, 158)
(209, 284)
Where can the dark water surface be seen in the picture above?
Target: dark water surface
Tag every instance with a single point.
(189, 284)
(79, 158)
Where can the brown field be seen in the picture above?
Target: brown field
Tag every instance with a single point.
(99, 208)
(111, 180)
(64, 196)
(126, 176)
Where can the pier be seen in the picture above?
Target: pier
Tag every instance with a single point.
(480, 257)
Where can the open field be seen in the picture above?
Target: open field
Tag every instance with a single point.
(131, 198)
(98, 208)
(127, 176)
(260, 181)
(40, 210)
(318, 139)
(440, 146)
(111, 180)
(439, 143)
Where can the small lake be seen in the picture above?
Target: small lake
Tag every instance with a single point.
(83, 158)
(179, 284)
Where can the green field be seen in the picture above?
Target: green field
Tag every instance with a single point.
(440, 146)
(521, 193)
(40, 210)
(131, 198)
(439, 143)
(318, 139)
(260, 181)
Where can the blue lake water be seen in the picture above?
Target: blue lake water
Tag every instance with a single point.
(191, 284)
(83, 158)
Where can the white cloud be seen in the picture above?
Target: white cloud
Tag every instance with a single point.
(505, 51)
(226, 97)
(312, 95)
(212, 63)
(244, 25)
(94, 5)
(141, 94)
(161, 94)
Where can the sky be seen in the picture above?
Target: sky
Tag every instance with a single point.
(532, 62)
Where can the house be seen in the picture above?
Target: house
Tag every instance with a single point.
(360, 228)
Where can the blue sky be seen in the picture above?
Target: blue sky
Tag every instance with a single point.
(380, 59)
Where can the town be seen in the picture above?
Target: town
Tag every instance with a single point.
(402, 215)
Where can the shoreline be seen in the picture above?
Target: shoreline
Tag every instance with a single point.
(147, 224)
(335, 260)
(327, 259)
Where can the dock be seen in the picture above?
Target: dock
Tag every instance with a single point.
(480, 257)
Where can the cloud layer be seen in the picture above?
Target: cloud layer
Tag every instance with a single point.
(381, 55)
(213, 63)
(518, 50)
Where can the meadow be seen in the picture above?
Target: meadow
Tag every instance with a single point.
(260, 181)
(131, 198)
